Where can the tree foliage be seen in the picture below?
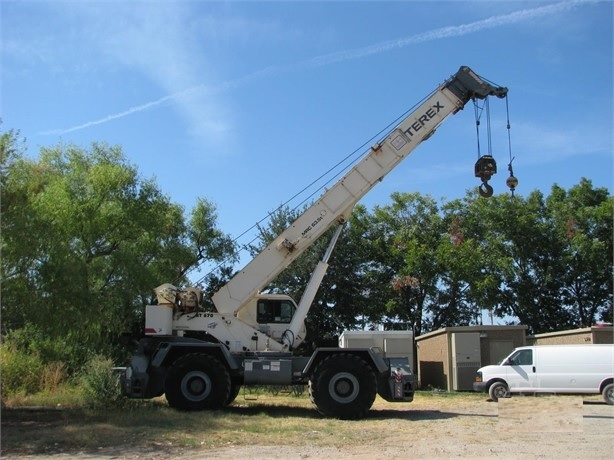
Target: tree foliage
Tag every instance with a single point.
(545, 262)
(85, 240)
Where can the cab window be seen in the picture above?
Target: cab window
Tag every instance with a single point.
(274, 311)
(521, 358)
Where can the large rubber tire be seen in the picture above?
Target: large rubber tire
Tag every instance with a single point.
(498, 390)
(196, 382)
(343, 386)
(608, 394)
(235, 388)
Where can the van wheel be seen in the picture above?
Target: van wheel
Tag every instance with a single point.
(498, 390)
(608, 394)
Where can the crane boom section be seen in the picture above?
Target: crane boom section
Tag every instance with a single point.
(336, 204)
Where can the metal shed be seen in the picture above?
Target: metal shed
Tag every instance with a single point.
(448, 358)
(594, 334)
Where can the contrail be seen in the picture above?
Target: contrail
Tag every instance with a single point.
(332, 58)
(444, 32)
(135, 109)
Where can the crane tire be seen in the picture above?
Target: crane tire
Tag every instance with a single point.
(235, 388)
(343, 386)
(197, 381)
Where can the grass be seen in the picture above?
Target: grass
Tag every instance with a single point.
(58, 423)
(62, 396)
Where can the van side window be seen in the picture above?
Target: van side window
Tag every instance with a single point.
(522, 358)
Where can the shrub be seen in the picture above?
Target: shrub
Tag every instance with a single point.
(53, 374)
(68, 350)
(25, 373)
(19, 371)
(100, 383)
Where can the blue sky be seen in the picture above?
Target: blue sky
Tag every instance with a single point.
(246, 103)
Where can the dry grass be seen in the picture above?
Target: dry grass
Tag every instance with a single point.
(252, 419)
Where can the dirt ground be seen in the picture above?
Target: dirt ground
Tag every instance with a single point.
(519, 427)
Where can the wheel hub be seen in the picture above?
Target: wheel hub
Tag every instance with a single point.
(196, 386)
(343, 387)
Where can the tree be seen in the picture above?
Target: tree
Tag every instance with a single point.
(467, 265)
(357, 275)
(459, 260)
(85, 241)
(523, 256)
(410, 232)
(548, 260)
(543, 262)
(583, 223)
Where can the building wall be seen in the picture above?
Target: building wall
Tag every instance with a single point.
(563, 338)
(435, 351)
(575, 336)
(434, 354)
(433, 361)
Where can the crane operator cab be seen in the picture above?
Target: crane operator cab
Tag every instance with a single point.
(271, 314)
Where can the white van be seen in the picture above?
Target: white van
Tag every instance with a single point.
(580, 369)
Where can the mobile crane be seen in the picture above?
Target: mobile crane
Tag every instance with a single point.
(201, 359)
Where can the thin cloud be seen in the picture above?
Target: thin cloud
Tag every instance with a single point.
(130, 111)
(332, 58)
(443, 33)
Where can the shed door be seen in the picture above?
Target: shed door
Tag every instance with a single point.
(499, 349)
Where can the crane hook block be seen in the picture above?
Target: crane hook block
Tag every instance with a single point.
(485, 167)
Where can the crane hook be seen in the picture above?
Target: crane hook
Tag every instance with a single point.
(485, 168)
(485, 190)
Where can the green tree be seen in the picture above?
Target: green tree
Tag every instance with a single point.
(467, 265)
(410, 232)
(582, 219)
(85, 241)
(456, 256)
(547, 261)
(523, 256)
(358, 274)
(543, 262)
